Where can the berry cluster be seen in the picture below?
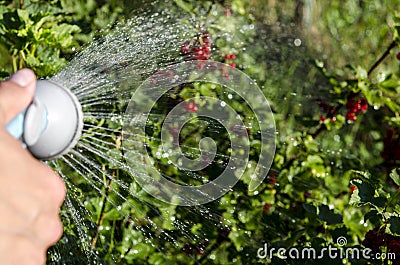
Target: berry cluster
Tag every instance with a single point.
(322, 118)
(229, 63)
(355, 107)
(191, 106)
(377, 238)
(198, 48)
(326, 108)
(229, 59)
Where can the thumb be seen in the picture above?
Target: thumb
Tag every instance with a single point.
(16, 94)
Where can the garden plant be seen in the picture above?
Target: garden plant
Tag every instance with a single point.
(330, 72)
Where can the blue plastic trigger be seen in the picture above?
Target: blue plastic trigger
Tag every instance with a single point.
(16, 126)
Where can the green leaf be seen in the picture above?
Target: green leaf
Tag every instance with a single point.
(394, 222)
(390, 85)
(395, 177)
(237, 237)
(328, 215)
(24, 16)
(310, 208)
(157, 259)
(373, 216)
(365, 193)
(185, 6)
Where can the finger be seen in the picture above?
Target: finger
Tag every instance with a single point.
(55, 186)
(47, 229)
(15, 94)
(51, 186)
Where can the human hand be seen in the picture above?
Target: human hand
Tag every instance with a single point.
(30, 192)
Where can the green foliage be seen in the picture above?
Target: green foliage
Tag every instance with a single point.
(331, 177)
(34, 37)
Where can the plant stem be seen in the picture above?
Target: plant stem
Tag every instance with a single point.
(103, 206)
(21, 60)
(102, 212)
(14, 63)
(384, 55)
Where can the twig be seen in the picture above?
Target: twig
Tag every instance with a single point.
(102, 212)
(21, 60)
(103, 206)
(384, 55)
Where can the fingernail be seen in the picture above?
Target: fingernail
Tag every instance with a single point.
(23, 77)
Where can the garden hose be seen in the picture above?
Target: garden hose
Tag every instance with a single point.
(52, 124)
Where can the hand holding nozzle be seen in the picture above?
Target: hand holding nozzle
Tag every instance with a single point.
(52, 124)
(30, 192)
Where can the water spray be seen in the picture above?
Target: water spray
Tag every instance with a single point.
(52, 124)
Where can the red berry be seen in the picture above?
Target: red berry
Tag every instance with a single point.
(206, 37)
(322, 118)
(230, 56)
(198, 51)
(364, 108)
(398, 56)
(192, 107)
(267, 207)
(272, 179)
(355, 110)
(233, 65)
(185, 48)
(351, 116)
(353, 188)
(206, 50)
(364, 104)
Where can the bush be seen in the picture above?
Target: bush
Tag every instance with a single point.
(331, 76)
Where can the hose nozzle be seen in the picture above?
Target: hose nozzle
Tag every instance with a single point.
(52, 124)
